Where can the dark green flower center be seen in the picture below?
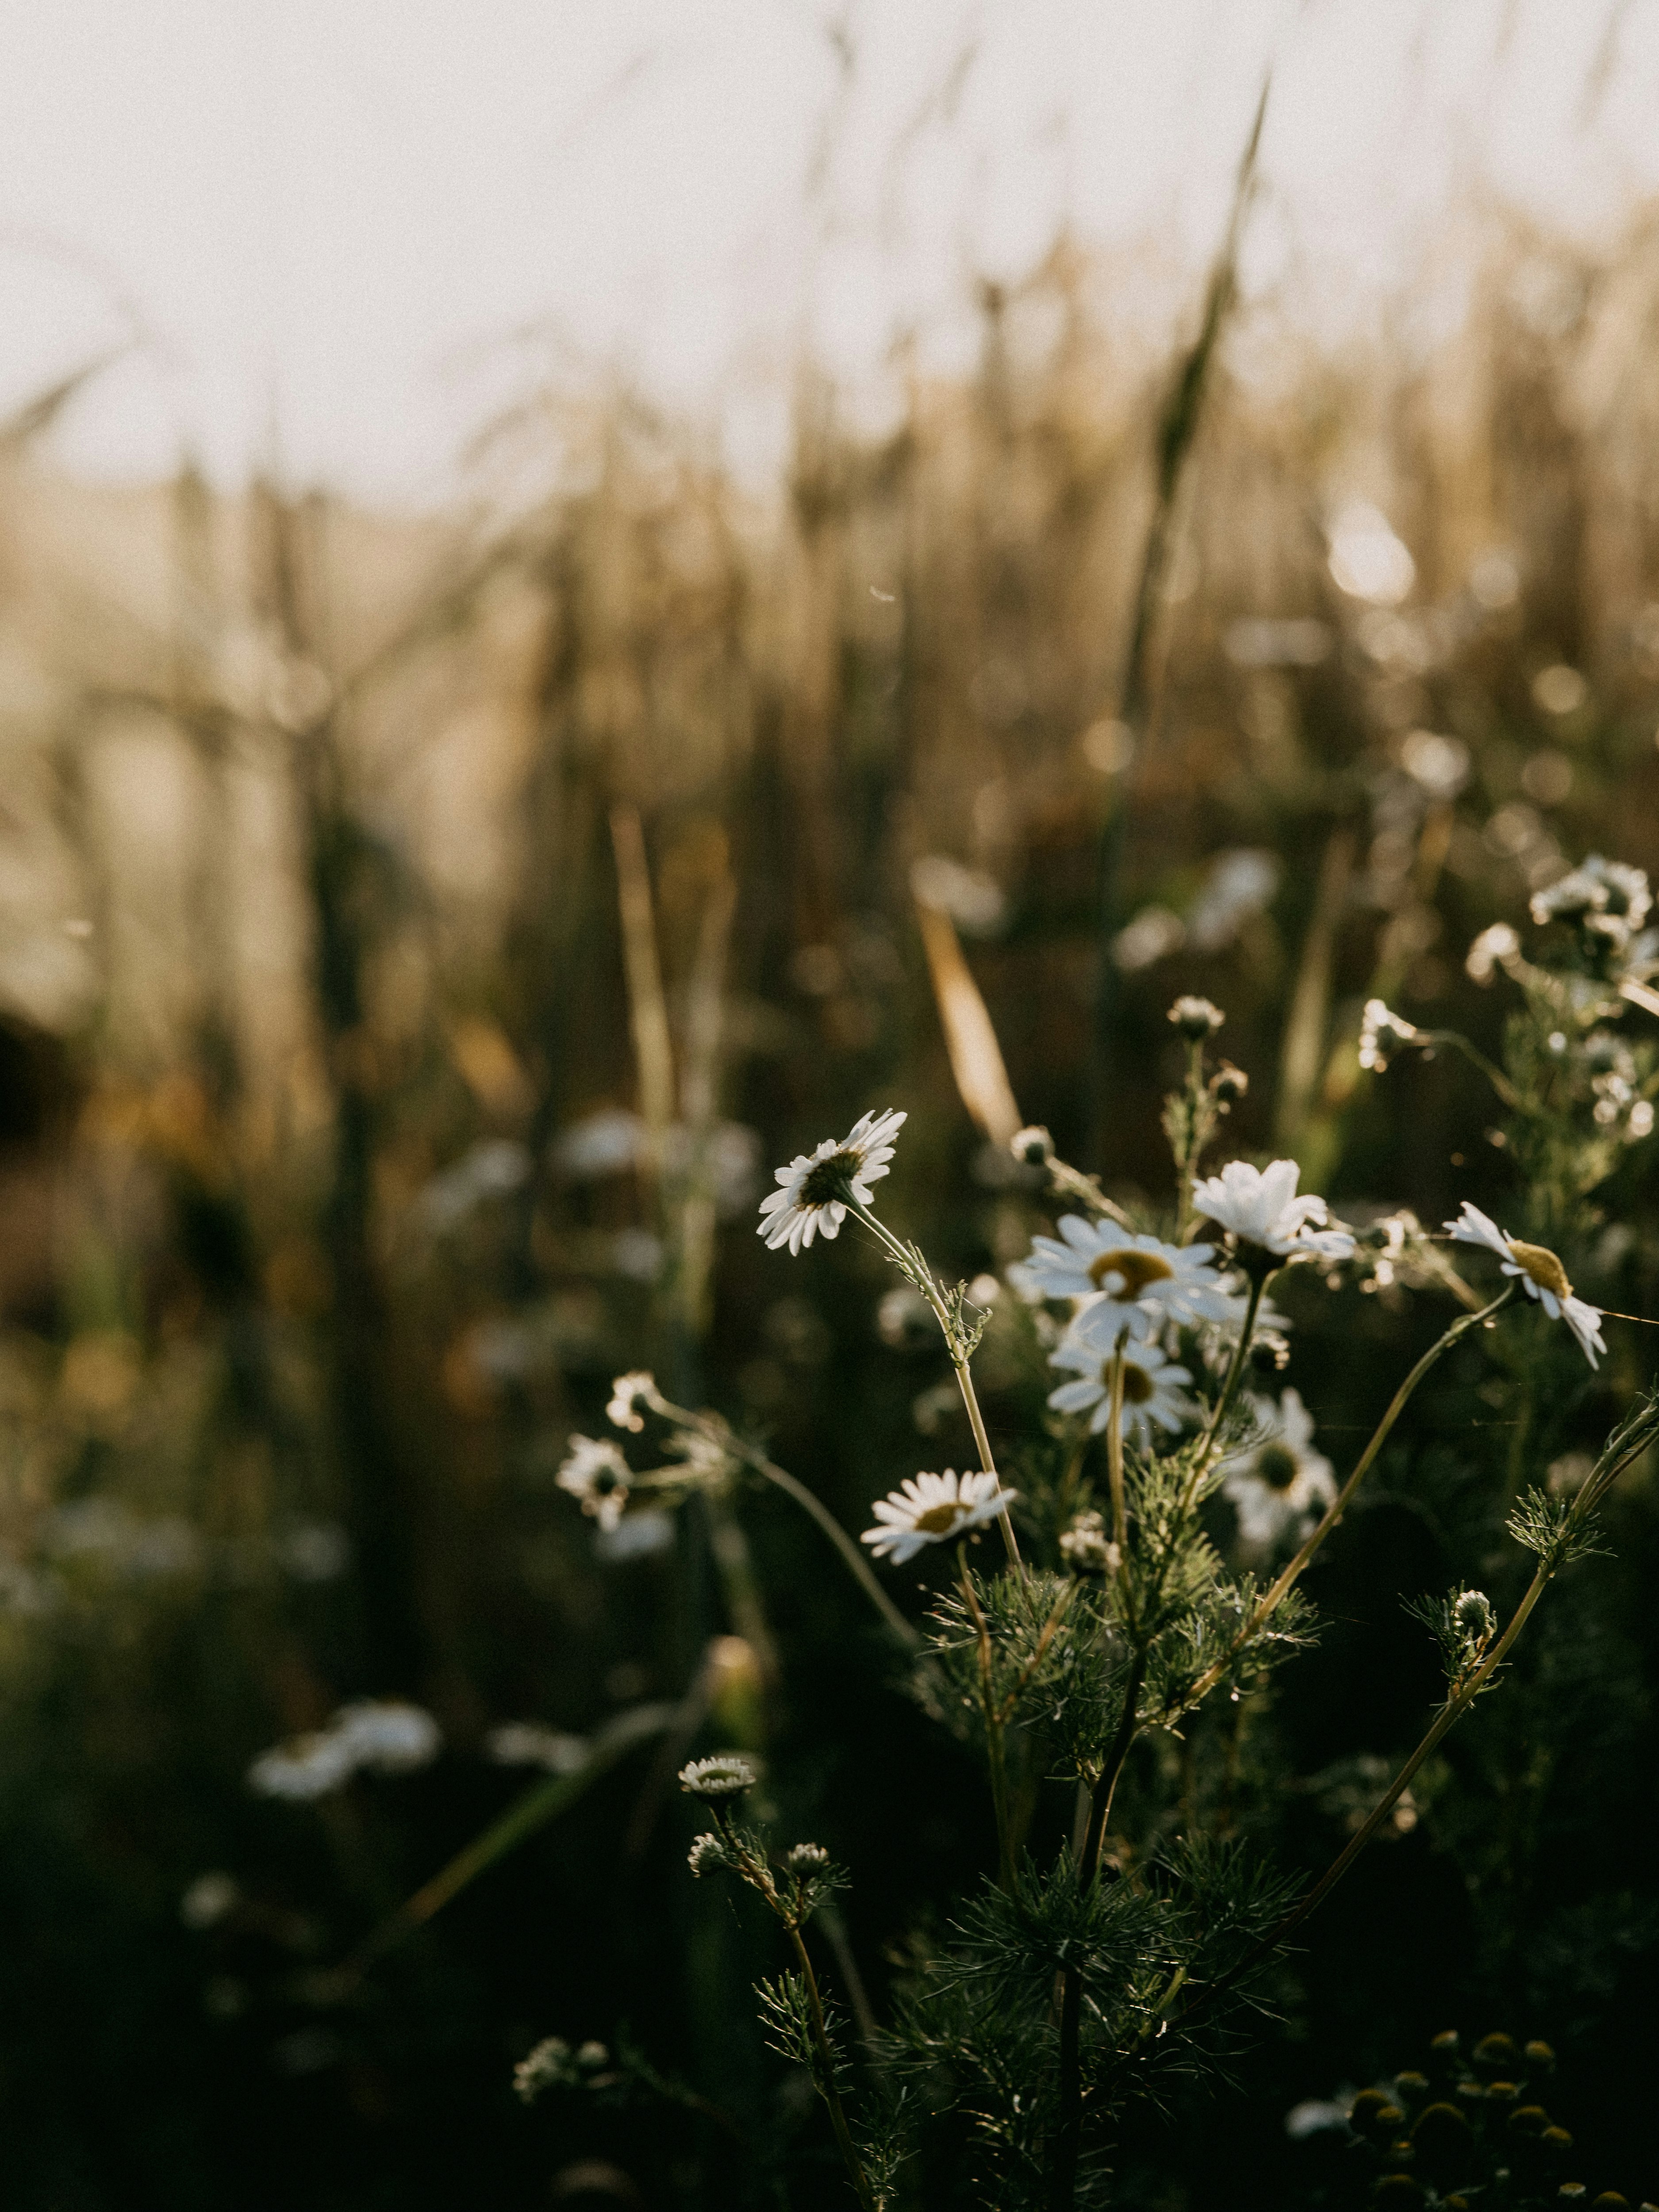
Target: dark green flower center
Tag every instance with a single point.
(1138, 1384)
(831, 1179)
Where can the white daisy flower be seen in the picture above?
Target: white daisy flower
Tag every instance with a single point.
(1260, 1206)
(596, 1474)
(1151, 1386)
(628, 1394)
(814, 1189)
(931, 1508)
(1537, 1268)
(1135, 1275)
(727, 1774)
(1606, 897)
(1279, 1485)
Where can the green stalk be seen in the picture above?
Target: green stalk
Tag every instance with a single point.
(1281, 1589)
(827, 2088)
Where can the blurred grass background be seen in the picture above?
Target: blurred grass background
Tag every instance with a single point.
(421, 938)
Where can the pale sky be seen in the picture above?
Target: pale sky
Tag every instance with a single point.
(355, 227)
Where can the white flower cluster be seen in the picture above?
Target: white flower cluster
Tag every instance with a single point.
(381, 1735)
(1131, 1294)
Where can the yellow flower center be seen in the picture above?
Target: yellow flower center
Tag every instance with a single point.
(1138, 1384)
(1542, 1266)
(1137, 1269)
(939, 1520)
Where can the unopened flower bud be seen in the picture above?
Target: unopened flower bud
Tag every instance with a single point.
(807, 1858)
(1196, 1018)
(1033, 1147)
(1229, 1084)
(1539, 2056)
(1374, 2115)
(1493, 2054)
(1086, 1548)
(1411, 2087)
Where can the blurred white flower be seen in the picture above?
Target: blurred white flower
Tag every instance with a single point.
(628, 1394)
(1494, 949)
(597, 1475)
(815, 1189)
(1382, 1034)
(387, 1734)
(1539, 1271)
(1279, 1485)
(931, 1508)
(493, 1169)
(1240, 883)
(1368, 561)
(209, 1899)
(1260, 1207)
(526, 1743)
(304, 1766)
(1153, 1389)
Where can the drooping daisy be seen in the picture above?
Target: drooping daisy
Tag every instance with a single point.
(1383, 1033)
(1279, 1485)
(1151, 1385)
(1134, 1275)
(931, 1508)
(1540, 1272)
(1259, 1207)
(814, 1190)
(596, 1473)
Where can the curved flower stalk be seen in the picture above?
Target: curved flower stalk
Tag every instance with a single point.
(820, 1190)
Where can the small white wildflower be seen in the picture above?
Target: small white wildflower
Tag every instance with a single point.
(387, 1734)
(706, 1851)
(816, 1189)
(1087, 1549)
(1141, 1278)
(1152, 1384)
(1382, 1034)
(1196, 1018)
(1606, 897)
(1032, 1147)
(1280, 1484)
(1539, 1271)
(305, 1767)
(727, 1774)
(931, 1508)
(1260, 1207)
(596, 1473)
(527, 1743)
(210, 1897)
(628, 1394)
(1494, 949)
(807, 1858)
(547, 2064)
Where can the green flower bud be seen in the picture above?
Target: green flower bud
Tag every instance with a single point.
(1528, 2120)
(1443, 2048)
(1496, 2054)
(1374, 2115)
(1445, 2142)
(1539, 2057)
(1411, 2087)
(1502, 2093)
(1556, 2139)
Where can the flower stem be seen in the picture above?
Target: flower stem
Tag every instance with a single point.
(1229, 1384)
(1115, 1454)
(911, 1265)
(995, 1745)
(1281, 1589)
(827, 2088)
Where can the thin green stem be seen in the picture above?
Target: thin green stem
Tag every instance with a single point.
(1281, 1589)
(1115, 1454)
(1229, 1384)
(854, 1561)
(827, 2088)
(1494, 1074)
(995, 1745)
(908, 1262)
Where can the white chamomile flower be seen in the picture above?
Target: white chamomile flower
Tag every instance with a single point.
(628, 1394)
(596, 1473)
(815, 1189)
(1279, 1485)
(1383, 1033)
(1540, 1272)
(931, 1508)
(1151, 1385)
(1261, 1209)
(726, 1774)
(1138, 1276)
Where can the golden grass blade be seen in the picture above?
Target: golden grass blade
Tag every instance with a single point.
(975, 1055)
(647, 1007)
